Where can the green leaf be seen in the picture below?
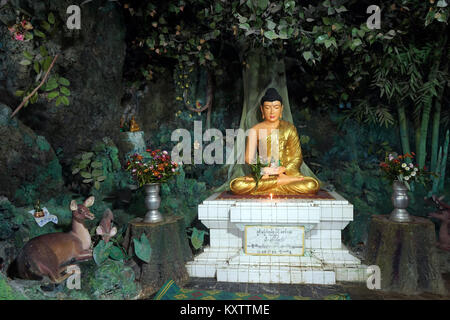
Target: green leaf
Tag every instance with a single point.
(442, 4)
(19, 93)
(321, 39)
(101, 178)
(39, 34)
(45, 25)
(87, 155)
(218, 8)
(65, 91)
(96, 164)
(341, 9)
(97, 185)
(270, 35)
(29, 36)
(88, 180)
(25, 62)
(34, 98)
(244, 26)
(51, 18)
(65, 100)
(64, 81)
(86, 174)
(75, 171)
(101, 252)
(46, 63)
(197, 238)
(262, 4)
(326, 21)
(28, 55)
(307, 55)
(51, 84)
(37, 67)
(97, 173)
(271, 25)
(43, 51)
(142, 248)
(116, 253)
(52, 95)
(355, 43)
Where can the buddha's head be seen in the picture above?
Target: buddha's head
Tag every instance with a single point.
(271, 105)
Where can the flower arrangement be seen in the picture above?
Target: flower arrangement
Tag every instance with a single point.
(20, 30)
(158, 168)
(396, 167)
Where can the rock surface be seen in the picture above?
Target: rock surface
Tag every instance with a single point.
(91, 59)
(29, 168)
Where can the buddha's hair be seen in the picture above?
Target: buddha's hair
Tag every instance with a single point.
(271, 95)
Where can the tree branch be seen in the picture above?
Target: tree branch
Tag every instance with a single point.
(36, 89)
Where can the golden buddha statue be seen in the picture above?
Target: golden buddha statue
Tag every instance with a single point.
(133, 125)
(281, 147)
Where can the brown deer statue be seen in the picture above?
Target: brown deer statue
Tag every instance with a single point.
(442, 214)
(49, 254)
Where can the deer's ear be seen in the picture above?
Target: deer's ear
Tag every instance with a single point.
(113, 232)
(73, 205)
(99, 230)
(89, 201)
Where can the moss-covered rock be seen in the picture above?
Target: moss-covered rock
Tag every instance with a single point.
(7, 292)
(29, 168)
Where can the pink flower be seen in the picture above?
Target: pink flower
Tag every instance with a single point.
(19, 37)
(173, 170)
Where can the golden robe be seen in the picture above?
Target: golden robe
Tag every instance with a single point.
(290, 156)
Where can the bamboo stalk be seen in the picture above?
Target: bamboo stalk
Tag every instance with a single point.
(403, 126)
(436, 124)
(444, 163)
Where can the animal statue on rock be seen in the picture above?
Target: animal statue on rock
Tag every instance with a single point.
(50, 254)
(442, 214)
(106, 229)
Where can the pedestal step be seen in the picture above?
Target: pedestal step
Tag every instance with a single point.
(235, 266)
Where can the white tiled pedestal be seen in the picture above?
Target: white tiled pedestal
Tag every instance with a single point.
(325, 259)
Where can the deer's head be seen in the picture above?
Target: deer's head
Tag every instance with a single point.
(80, 211)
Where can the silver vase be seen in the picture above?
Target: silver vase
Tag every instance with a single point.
(400, 200)
(152, 202)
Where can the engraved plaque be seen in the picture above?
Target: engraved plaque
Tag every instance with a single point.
(271, 240)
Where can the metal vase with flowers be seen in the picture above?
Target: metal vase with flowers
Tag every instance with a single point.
(400, 200)
(152, 203)
(150, 171)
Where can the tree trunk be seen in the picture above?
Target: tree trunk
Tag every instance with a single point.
(170, 252)
(406, 254)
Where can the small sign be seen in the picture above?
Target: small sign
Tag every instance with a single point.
(274, 241)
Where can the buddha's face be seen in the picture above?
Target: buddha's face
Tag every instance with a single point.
(272, 110)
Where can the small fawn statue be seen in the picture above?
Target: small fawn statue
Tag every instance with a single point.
(49, 254)
(442, 214)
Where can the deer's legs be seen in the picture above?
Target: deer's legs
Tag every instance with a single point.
(83, 256)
